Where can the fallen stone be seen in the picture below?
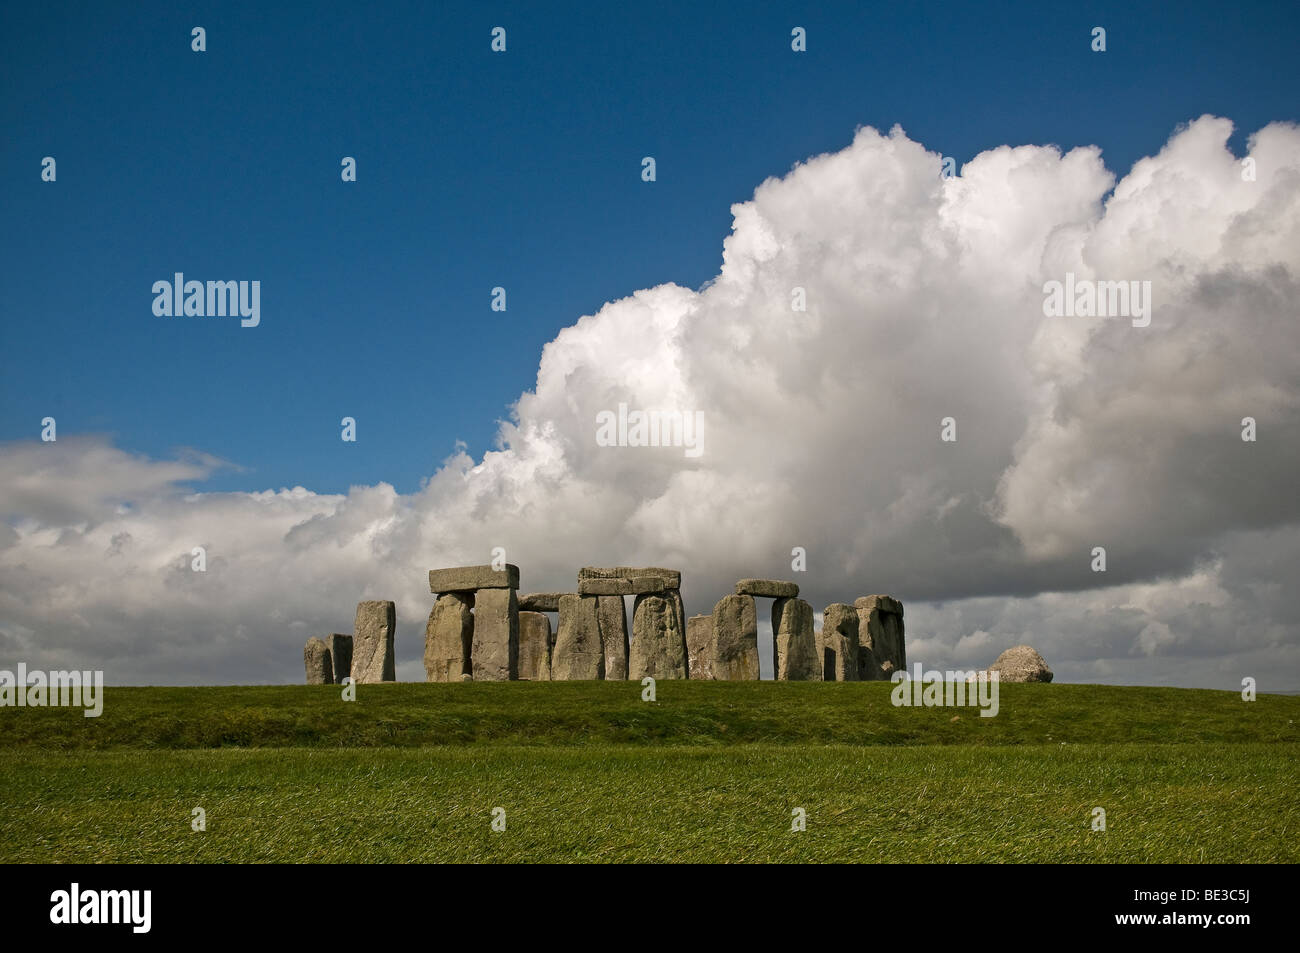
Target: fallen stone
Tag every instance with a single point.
(767, 588)
(840, 637)
(494, 649)
(316, 658)
(699, 647)
(578, 654)
(534, 646)
(372, 642)
(672, 578)
(540, 601)
(469, 578)
(658, 646)
(1021, 664)
(794, 642)
(635, 586)
(735, 639)
(448, 637)
(340, 647)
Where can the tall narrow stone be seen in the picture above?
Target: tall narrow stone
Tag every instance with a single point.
(534, 646)
(735, 639)
(316, 658)
(794, 642)
(372, 642)
(578, 653)
(612, 616)
(699, 647)
(658, 646)
(840, 636)
(340, 647)
(494, 649)
(448, 636)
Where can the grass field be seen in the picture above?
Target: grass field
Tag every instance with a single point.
(708, 772)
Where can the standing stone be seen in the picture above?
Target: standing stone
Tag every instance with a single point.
(448, 637)
(794, 642)
(534, 646)
(494, 649)
(675, 597)
(735, 639)
(699, 646)
(316, 656)
(658, 645)
(880, 630)
(840, 636)
(372, 642)
(612, 616)
(340, 647)
(578, 652)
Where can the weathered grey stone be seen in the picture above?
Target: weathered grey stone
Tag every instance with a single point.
(767, 588)
(372, 642)
(340, 647)
(448, 637)
(735, 639)
(578, 651)
(534, 646)
(699, 646)
(540, 601)
(612, 615)
(675, 596)
(316, 658)
(494, 650)
(658, 646)
(672, 577)
(883, 603)
(469, 578)
(880, 630)
(1021, 664)
(635, 586)
(840, 637)
(794, 642)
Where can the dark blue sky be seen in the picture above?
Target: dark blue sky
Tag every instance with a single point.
(478, 169)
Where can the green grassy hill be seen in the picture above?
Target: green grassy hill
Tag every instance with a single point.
(708, 772)
(612, 713)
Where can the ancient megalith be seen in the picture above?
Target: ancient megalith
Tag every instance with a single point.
(840, 637)
(316, 658)
(612, 616)
(340, 647)
(494, 649)
(767, 588)
(578, 652)
(448, 636)
(794, 642)
(658, 646)
(735, 639)
(372, 642)
(880, 634)
(699, 647)
(534, 646)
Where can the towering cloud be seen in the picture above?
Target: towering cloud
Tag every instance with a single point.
(820, 429)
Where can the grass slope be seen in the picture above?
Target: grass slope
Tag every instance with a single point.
(612, 713)
(709, 772)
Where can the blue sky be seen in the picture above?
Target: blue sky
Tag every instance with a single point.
(475, 170)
